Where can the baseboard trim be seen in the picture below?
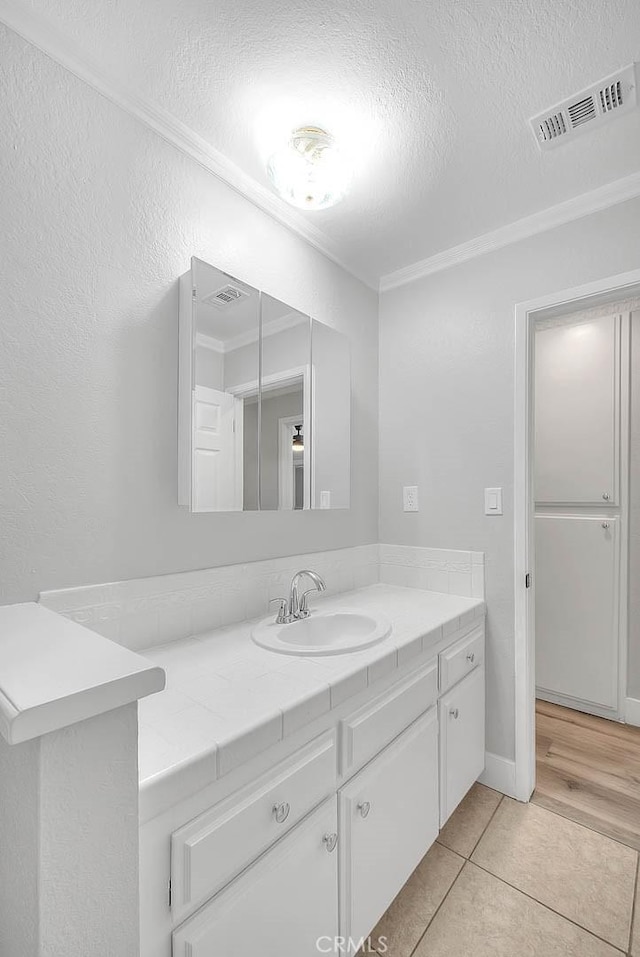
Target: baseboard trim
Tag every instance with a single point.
(500, 773)
(632, 711)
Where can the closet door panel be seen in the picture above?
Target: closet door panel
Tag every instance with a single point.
(576, 607)
(576, 412)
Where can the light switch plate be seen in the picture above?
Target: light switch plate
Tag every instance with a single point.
(410, 498)
(493, 501)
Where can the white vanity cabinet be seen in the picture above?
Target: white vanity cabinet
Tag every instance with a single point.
(280, 906)
(318, 843)
(388, 816)
(461, 740)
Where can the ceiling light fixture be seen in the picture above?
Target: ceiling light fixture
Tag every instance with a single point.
(309, 172)
(298, 441)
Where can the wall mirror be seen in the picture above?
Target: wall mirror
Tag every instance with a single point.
(264, 401)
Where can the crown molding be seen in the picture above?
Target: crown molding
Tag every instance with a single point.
(619, 191)
(33, 28)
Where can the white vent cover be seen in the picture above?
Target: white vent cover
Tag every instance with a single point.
(225, 296)
(588, 109)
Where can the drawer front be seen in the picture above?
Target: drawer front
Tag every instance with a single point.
(461, 658)
(461, 740)
(282, 905)
(210, 850)
(388, 816)
(370, 729)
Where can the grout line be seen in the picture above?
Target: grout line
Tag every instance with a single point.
(437, 910)
(486, 827)
(634, 914)
(546, 906)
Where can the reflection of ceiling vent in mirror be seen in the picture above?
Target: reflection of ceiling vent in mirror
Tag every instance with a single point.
(588, 109)
(225, 296)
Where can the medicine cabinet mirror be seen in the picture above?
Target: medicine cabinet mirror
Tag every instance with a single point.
(264, 401)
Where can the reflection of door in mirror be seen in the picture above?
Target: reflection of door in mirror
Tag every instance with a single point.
(224, 390)
(285, 448)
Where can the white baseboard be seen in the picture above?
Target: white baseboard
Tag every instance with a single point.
(632, 711)
(500, 773)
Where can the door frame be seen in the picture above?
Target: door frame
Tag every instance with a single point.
(624, 285)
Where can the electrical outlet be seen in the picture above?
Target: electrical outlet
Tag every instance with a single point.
(410, 498)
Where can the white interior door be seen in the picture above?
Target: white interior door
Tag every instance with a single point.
(576, 412)
(217, 451)
(577, 608)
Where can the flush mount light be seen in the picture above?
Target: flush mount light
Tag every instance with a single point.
(309, 172)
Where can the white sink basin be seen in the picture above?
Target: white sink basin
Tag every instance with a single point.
(323, 633)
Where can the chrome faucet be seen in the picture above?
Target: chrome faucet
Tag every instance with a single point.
(296, 607)
(298, 602)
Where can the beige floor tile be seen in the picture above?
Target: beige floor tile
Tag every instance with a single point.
(406, 919)
(464, 828)
(635, 936)
(581, 874)
(483, 917)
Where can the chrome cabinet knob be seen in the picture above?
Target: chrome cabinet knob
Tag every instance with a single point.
(364, 807)
(281, 811)
(606, 496)
(471, 657)
(455, 713)
(330, 841)
(605, 524)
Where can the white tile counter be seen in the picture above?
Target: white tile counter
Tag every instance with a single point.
(228, 699)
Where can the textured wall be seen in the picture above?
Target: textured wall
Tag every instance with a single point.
(446, 407)
(99, 218)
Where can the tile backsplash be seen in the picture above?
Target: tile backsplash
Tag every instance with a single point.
(145, 612)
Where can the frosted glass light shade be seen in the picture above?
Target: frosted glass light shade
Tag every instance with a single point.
(309, 172)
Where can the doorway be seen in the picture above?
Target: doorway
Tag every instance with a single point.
(560, 520)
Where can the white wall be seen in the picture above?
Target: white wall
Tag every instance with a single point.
(633, 665)
(99, 219)
(446, 407)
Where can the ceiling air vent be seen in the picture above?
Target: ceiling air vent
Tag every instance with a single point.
(588, 109)
(225, 296)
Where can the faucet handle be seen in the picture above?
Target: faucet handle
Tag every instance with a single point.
(303, 608)
(282, 617)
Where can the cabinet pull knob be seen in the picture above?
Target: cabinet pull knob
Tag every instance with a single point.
(281, 812)
(364, 807)
(471, 657)
(455, 713)
(330, 841)
(605, 524)
(606, 496)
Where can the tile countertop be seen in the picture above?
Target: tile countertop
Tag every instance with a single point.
(227, 699)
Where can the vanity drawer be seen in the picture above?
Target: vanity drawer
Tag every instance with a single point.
(461, 658)
(209, 851)
(367, 731)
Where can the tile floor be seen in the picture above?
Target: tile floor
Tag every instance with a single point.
(515, 880)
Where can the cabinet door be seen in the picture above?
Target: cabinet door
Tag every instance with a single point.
(388, 821)
(280, 906)
(576, 412)
(576, 607)
(461, 740)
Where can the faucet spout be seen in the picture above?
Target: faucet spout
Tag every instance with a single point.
(298, 602)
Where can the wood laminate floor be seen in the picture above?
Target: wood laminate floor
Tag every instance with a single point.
(588, 770)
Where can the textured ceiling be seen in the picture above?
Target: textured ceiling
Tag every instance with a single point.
(432, 97)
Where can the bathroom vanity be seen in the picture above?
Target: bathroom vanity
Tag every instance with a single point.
(325, 781)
